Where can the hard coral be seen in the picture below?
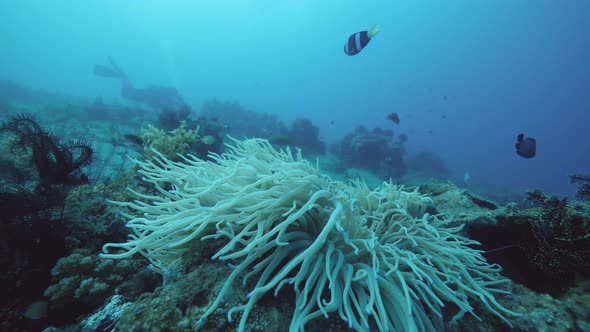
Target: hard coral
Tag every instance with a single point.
(307, 136)
(244, 122)
(170, 144)
(374, 150)
(171, 118)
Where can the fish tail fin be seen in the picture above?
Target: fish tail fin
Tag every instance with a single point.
(374, 31)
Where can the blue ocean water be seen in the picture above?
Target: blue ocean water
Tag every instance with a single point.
(465, 77)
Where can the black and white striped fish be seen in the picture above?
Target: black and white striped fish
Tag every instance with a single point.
(357, 41)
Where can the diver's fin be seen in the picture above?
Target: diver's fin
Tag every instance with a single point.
(116, 68)
(105, 71)
(374, 31)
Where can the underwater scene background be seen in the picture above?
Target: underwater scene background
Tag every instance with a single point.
(295, 165)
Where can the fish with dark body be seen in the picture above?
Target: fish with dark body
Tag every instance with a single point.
(357, 41)
(393, 117)
(526, 147)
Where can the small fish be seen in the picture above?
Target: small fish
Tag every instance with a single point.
(393, 117)
(466, 177)
(526, 147)
(357, 41)
(36, 310)
(134, 139)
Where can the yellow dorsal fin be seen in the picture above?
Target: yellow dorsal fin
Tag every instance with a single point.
(374, 31)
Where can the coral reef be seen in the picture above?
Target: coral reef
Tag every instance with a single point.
(374, 150)
(106, 318)
(188, 138)
(244, 123)
(211, 137)
(82, 282)
(306, 136)
(562, 239)
(427, 165)
(583, 181)
(86, 278)
(171, 118)
(16, 92)
(170, 144)
(375, 257)
(191, 286)
(56, 162)
(38, 170)
(545, 248)
(289, 244)
(88, 218)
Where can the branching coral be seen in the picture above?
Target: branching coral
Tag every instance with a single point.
(86, 278)
(177, 141)
(371, 257)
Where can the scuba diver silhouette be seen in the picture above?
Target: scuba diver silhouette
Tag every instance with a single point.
(153, 95)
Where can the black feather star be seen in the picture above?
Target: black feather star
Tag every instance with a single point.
(56, 162)
(583, 181)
